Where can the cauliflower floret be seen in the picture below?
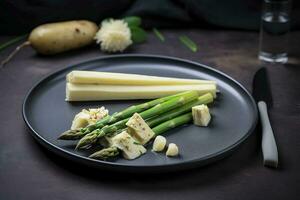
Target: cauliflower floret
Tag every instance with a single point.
(87, 117)
(114, 35)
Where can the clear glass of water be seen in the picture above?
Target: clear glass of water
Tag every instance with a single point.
(274, 31)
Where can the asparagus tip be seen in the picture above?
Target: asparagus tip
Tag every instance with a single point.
(86, 141)
(70, 135)
(64, 135)
(105, 153)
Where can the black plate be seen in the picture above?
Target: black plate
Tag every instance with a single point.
(234, 114)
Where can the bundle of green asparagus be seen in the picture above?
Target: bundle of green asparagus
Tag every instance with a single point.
(79, 133)
(113, 151)
(161, 115)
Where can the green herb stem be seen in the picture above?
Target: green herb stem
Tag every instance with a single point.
(188, 43)
(12, 41)
(159, 35)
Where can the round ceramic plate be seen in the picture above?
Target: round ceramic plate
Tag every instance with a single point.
(234, 114)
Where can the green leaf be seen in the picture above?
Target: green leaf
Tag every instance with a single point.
(138, 35)
(188, 43)
(158, 35)
(133, 21)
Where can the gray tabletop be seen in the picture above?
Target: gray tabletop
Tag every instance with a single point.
(28, 171)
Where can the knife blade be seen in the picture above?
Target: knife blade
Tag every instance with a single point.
(261, 87)
(263, 96)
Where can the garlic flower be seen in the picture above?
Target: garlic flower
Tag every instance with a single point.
(114, 35)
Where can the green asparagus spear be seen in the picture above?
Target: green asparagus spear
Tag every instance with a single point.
(176, 102)
(79, 133)
(72, 135)
(106, 153)
(178, 121)
(204, 99)
(161, 128)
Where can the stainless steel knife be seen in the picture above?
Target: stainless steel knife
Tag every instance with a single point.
(262, 95)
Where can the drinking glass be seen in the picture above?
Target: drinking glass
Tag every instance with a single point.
(274, 31)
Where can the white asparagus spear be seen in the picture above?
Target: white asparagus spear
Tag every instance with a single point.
(110, 78)
(84, 92)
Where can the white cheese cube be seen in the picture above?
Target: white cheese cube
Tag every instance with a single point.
(139, 129)
(172, 150)
(201, 115)
(106, 141)
(130, 148)
(159, 143)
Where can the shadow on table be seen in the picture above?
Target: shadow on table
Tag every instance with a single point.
(92, 49)
(293, 66)
(243, 159)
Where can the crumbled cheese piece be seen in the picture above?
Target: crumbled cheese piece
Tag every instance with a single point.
(131, 149)
(87, 117)
(201, 115)
(172, 150)
(159, 143)
(139, 129)
(97, 114)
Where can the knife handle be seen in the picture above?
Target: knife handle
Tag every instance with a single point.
(269, 148)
